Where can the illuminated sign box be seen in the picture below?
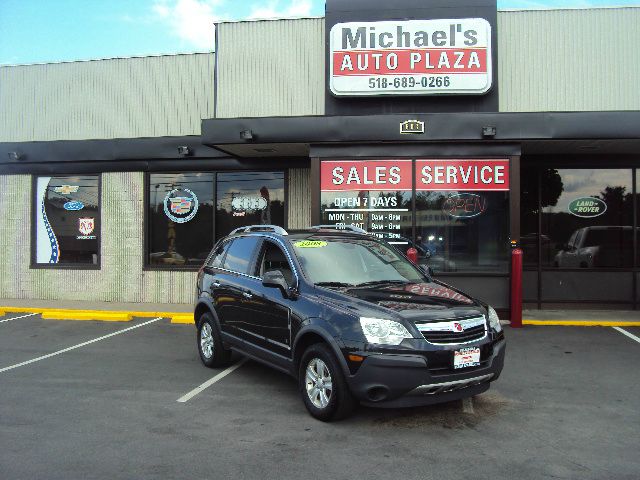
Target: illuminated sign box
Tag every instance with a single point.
(410, 57)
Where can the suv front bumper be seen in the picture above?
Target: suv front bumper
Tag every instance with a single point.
(404, 380)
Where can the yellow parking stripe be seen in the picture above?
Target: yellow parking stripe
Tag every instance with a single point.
(103, 315)
(86, 315)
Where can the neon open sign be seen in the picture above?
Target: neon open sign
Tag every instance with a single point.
(464, 205)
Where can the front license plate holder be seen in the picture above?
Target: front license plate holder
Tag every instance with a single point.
(466, 357)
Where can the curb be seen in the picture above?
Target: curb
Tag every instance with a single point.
(100, 315)
(186, 319)
(582, 323)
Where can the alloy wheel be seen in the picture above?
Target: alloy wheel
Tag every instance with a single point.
(318, 383)
(206, 341)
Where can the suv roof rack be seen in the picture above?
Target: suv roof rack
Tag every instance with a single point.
(260, 228)
(351, 228)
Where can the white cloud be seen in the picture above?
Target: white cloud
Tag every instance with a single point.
(273, 9)
(190, 20)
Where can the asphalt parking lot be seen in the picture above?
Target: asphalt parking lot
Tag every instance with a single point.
(566, 406)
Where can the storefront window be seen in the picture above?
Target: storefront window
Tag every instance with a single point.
(589, 219)
(180, 218)
(461, 207)
(249, 198)
(529, 217)
(463, 231)
(67, 220)
(462, 214)
(374, 195)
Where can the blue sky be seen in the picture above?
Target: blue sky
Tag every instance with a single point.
(34, 31)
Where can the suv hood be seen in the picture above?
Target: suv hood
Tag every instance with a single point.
(411, 301)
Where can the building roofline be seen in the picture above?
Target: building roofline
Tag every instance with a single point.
(153, 55)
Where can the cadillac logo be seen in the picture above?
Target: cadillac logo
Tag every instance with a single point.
(180, 205)
(411, 126)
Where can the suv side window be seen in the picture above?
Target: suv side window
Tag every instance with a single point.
(272, 259)
(240, 253)
(218, 255)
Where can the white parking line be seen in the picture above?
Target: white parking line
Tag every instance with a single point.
(467, 405)
(16, 318)
(104, 337)
(188, 396)
(630, 335)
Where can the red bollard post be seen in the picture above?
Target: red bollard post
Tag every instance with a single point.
(516, 288)
(412, 254)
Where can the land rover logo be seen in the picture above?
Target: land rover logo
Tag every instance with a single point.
(587, 207)
(411, 126)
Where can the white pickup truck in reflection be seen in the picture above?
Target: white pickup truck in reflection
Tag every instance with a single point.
(597, 246)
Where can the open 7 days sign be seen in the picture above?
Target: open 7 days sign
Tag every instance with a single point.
(411, 57)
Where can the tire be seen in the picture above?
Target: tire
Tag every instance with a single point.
(337, 402)
(210, 348)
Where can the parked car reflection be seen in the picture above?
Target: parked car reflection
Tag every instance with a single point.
(596, 246)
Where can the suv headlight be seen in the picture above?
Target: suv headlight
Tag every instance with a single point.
(383, 332)
(494, 321)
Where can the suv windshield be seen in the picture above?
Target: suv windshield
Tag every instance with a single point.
(353, 262)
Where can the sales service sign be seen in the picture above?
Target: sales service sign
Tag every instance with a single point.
(410, 57)
(430, 175)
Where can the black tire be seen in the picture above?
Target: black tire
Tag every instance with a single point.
(217, 356)
(340, 401)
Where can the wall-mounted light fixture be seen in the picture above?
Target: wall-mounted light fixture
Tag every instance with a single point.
(184, 151)
(489, 132)
(15, 156)
(246, 135)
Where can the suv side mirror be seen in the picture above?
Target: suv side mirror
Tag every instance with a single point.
(275, 279)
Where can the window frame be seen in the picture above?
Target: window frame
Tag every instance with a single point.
(146, 242)
(33, 264)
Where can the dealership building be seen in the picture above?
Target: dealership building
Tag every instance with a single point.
(450, 127)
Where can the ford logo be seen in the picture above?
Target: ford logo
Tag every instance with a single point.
(74, 205)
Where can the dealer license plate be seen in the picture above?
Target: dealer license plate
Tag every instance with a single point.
(466, 357)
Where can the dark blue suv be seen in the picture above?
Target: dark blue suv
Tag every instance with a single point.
(348, 316)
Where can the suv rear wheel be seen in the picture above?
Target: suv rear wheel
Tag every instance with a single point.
(322, 385)
(212, 353)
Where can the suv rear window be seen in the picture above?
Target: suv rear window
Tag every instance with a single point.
(218, 255)
(239, 254)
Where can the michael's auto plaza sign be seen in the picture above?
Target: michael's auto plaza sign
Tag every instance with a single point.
(410, 57)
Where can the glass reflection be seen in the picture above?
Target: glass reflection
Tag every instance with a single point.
(587, 218)
(249, 198)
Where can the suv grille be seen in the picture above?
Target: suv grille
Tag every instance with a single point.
(454, 331)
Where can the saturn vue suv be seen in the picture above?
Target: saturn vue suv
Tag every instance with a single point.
(348, 316)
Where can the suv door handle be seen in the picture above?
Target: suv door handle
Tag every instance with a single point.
(247, 295)
(215, 284)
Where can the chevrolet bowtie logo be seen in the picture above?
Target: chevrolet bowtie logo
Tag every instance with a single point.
(412, 126)
(66, 189)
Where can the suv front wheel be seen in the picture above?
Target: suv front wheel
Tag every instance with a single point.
(212, 353)
(322, 385)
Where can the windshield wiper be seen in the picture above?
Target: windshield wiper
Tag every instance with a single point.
(382, 282)
(334, 284)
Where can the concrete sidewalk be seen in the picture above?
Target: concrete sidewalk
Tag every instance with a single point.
(582, 317)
